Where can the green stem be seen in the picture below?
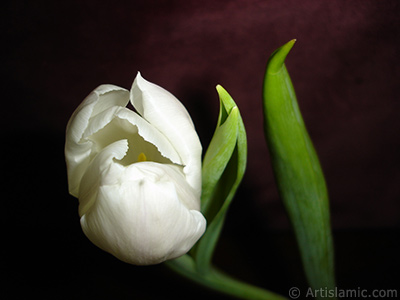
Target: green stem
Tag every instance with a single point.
(220, 282)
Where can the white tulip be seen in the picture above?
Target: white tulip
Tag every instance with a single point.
(137, 175)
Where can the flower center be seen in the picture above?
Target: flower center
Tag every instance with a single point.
(119, 129)
(141, 157)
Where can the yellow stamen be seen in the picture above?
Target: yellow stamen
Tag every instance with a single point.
(141, 157)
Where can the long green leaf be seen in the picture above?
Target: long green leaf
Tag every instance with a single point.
(223, 169)
(298, 172)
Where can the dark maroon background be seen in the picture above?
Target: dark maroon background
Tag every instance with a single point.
(345, 69)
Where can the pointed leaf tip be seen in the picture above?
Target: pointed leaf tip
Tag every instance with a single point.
(277, 59)
(225, 98)
(226, 102)
(219, 88)
(222, 93)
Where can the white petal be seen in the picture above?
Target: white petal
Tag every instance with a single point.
(172, 173)
(142, 220)
(101, 171)
(161, 109)
(78, 151)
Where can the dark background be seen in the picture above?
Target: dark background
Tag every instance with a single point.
(345, 69)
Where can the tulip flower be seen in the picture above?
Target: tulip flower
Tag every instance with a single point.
(137, 175)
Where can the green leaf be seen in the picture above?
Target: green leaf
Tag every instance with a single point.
(223, 169)
(217, 157)
(298, 172)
